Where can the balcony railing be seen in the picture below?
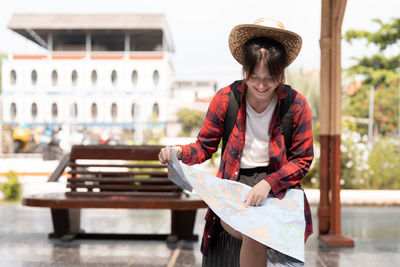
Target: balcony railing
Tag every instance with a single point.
(93, 55)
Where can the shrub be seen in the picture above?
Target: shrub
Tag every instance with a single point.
(369, 164)
(191, 120)
(354, 154)
(384, 172)
(12, 190)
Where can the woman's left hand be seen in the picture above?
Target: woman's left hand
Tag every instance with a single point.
(257, 194)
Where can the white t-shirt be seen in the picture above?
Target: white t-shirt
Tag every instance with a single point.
(256, 146)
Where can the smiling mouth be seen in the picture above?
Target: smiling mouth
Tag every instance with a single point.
(261, 91)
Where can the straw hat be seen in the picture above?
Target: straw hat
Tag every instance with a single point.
(269, 28)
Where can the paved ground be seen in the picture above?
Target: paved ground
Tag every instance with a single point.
(24, 242)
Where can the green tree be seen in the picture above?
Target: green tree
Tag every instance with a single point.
(307, 83)
(379, 71)
(191, 120)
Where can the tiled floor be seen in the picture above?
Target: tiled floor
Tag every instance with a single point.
(24, 242)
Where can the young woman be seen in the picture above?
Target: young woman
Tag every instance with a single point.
(255, 153)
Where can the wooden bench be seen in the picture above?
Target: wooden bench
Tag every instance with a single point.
(116, 177)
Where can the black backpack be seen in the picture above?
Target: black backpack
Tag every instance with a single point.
(285, 113)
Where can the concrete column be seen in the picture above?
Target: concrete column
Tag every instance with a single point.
(88, 45)
(50, 42)
(127, 45)
(49, 45)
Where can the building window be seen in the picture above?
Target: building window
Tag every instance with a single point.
(13, 77)
(34, 77)
(113, 77)
(107, 41)
(93, 77)
(74, 77)
(34, 111)
(134, 77)
(54, 111)
(156, 110)
(156, 77)
(133, 110)
(93, 111)
(13, 111)
(114, 111)
(54, 77)
(74, 110)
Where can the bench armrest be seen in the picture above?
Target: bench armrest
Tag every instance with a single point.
(60, 169)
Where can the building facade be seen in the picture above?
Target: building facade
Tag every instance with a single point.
(96, 72)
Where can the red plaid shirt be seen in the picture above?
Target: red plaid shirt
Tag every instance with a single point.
(285, 173)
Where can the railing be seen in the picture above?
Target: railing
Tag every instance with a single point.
(93, 55)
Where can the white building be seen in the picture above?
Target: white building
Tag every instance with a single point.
(95, 70)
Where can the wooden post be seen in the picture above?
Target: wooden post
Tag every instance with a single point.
(325, 44)
(330, 129)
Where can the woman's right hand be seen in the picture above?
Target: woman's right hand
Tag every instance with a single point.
(165, 154)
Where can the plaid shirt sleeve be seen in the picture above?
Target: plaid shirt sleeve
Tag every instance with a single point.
(211, 131)
(294, 168)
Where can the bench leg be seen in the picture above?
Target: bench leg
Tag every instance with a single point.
(182, 224)
(66, 223)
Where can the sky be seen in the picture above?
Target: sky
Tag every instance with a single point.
(200, 29)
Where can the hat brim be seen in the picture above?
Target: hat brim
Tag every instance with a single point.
(242, 33)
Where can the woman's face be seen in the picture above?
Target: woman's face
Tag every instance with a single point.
(261, 86)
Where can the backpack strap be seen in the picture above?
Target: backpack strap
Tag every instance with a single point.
(287, 120)
(285, 114)
(231, 113)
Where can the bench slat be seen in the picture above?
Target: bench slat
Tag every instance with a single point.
(124, 195)
(109, 173)
(127, 187)
(154, 166)
(106, 200)
(150, 180)
(118, 152)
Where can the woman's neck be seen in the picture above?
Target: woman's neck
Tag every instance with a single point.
(257, 104)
